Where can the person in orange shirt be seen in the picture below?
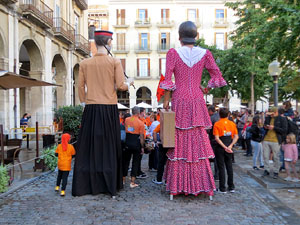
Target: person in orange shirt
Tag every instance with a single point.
(226, 136)
(135, 145)
(65, 152)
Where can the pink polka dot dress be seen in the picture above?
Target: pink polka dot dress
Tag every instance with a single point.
(188, 169)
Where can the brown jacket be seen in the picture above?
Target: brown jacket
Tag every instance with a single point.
(103, 76)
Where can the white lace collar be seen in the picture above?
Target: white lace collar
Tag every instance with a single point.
(191, 56)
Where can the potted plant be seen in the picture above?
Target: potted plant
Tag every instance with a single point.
(49, 157)
(71, 117)
(4, 178)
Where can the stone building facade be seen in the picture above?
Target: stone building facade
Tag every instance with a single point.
(146, 30)
(45, 40)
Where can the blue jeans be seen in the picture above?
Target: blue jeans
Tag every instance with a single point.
(257, 148)
(282, 158)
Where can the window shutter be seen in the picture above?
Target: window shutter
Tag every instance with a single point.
(148, 67)
(225, 41)
(160, 72)
(215, 42)
(137, 15)
(117, 15)
(148, 39)
(140, 40)
(138, 67)
(159, 40)
(168, 13)
(168, 40)
(225, 13)
(197, 13)
(162, 15)
(146, 13)
(123, 16)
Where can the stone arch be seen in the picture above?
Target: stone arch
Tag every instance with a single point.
(59, 71)
(75, 84)
(143, 94)
(30, 58)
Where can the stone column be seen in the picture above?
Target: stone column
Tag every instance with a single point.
(132, 98)
(48, 96)
(36, 100)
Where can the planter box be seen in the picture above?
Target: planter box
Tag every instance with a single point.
(39, 164)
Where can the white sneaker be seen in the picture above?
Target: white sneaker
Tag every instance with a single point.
(295, 180)
(288, 179)
(270, 161)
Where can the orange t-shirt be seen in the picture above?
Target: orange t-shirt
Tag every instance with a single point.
(225, 127)
(158, 117)
(65, 157)
(157, 129)
(134, 125)
(148, 121)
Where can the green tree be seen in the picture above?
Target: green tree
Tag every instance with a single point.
(272, 29)
(237, 65)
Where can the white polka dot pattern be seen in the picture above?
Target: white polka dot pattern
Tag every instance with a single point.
(188, 169)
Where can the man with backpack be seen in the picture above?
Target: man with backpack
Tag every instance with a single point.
(276, 128)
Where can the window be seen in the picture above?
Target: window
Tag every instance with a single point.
(221, 15)
(120, 16)
(219, 40)
(144, 41)
(121, 41)
(142, 15)
(76, 24)
(192, 15)
(163, 41)
(165, 16)
(91, 32)
(56, 9)
(162, 66)
(143, 67)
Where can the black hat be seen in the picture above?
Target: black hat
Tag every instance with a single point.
(103, 33)
(188, 32)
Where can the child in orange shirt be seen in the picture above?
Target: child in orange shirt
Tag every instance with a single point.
(64, 151)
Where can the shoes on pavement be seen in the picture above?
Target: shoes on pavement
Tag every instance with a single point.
(255, 168)
(142, 176)
(262, 167)
(295, 180)
(152, 170)
(133, 185)
(156, 182)
(275, 176)
(288, 179)
(232, 191)
(62, 193)
(247, 155)
(270, 161)
(56, 188)
(266, 173)
(223, 192)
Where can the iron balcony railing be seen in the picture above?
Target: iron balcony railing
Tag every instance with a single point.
(82, 44)
(39, 9)
(82, 4)
(62, 28)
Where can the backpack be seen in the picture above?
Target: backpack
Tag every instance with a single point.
(292, 127)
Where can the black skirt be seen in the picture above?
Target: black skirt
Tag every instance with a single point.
(98, 158)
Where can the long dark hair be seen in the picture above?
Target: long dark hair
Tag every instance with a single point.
(255, 120)
(25, 114)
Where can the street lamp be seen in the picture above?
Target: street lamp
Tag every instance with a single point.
(275, 71)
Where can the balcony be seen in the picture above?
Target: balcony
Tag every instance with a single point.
(82, 4)
(145, 23)
(37, 12)
(82, 45)
(163, 48)
(141, 49)
(165, 23)
(63, 30)
(121, 23)
(220, 23)
(9, 1)
(120, 49)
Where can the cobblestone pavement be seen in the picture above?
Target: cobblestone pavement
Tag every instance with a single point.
(37, 203)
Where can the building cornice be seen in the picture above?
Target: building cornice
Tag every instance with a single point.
(184, 2)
